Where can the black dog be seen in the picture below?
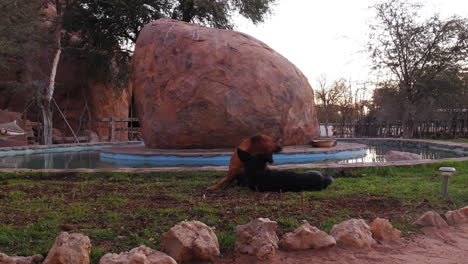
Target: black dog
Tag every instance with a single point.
(260, 178)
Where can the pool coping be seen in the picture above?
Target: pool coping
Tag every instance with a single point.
(141, 151)
(39, 148)
(444, 144)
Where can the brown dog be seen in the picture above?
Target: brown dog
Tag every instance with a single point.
(254, 145)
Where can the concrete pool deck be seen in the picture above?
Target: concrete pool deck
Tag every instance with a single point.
(33, 149)
(433, 143)
(140, 156)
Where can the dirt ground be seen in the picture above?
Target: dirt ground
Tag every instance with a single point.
(435, 246)
(40, 206)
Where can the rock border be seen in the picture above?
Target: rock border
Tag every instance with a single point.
(354, 233)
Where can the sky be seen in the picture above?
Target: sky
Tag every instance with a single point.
(329, 37)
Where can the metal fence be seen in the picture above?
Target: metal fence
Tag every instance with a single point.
(421, 129)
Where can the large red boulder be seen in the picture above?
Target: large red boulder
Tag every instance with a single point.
(200, 87)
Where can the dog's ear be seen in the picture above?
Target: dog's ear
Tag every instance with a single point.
(243, 155)
(277, 149)
(269, 158)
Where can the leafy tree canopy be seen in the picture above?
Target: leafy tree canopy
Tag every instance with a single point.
(110, 23)
(18, 29)
(108, 29)
(414, 49)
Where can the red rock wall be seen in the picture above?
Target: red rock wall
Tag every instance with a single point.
(199, 87)
(77, 96)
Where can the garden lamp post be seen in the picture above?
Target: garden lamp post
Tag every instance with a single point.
(446, 172)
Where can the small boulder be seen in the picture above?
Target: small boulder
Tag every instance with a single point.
(305, 237)
(190, 241)
(92, 136)
(457, 217)
(430, 219)
(257, 238)
(57, 132)
(69, 249)
(139, 255)
(57, 136)
(384, 231)
(400, 155)
(36, 259)
(354, 233)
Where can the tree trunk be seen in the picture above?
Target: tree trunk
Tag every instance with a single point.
(408, 127)
(47, 98)
(409, 119)
(466, 121)
(326, 127)
(47, 123)
(187, 7)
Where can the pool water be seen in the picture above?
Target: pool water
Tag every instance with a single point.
(91, 158)
(56, 160)
(376, 153)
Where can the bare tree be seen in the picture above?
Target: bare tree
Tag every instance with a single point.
(415, 50)
(328, 97)
(345, 103)
(48, 91)
(386, 99)
(341, 102)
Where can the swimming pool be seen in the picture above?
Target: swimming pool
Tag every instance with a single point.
(92, 158)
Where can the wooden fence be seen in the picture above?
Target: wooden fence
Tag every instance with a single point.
(101, 130)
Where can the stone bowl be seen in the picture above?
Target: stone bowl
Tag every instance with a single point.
(323, 143)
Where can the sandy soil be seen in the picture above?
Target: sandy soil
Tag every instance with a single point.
(435, 246)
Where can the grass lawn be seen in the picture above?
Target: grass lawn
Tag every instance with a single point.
(458, 140)
(120, 211)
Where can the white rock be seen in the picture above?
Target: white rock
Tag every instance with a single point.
(354, 233)
(430, 219)
(258, 238)
(190, 241)
(69, 249)
(457, 217)
(400, 155)
(5, 259)
(305, 237)
(384, 231)
(139, 255)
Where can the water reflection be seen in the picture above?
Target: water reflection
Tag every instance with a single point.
(58, 160)
(376, 153)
